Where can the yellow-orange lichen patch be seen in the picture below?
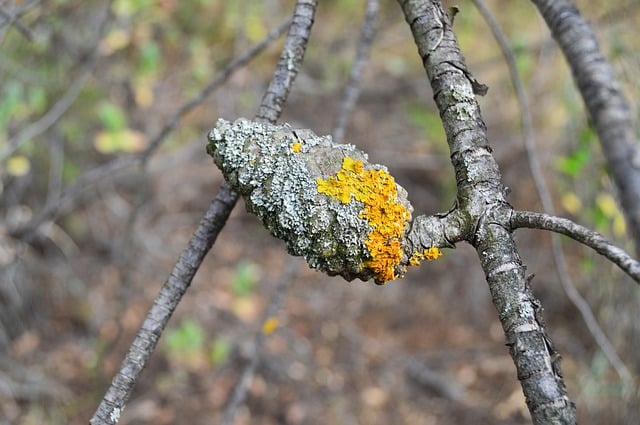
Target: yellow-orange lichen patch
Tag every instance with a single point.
(376, 189)
(430, 254)
(296, 147)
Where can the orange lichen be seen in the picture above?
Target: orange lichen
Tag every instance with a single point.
(296, 147)
(376, 189)
(430, 254)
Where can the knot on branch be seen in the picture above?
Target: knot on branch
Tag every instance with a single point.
(344, 215)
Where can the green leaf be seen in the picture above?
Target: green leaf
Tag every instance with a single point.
(149, 58)
(112, 116)
(11, 98)
(219, 351)
(573, 164)
(186, 340)
(429, 122)
(245, 279)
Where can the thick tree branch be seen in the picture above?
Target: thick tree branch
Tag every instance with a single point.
(594, 240)
(485, 213)
(142, 347)
(603, 97)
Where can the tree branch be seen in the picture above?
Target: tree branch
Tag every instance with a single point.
(594, 240)
(605, 102)
(142, 347)
(484, 213)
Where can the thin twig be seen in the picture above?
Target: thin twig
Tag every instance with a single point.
(20, 10)
(545, 197)
(12, 18)
(352, 89)
(155, 142)
(114, 401)
(588, 237)
(239, 392)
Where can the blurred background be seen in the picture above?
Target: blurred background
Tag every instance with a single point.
(89, 231)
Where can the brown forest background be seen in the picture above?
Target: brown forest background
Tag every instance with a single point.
(88, 236)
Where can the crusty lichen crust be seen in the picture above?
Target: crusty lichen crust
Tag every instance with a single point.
(344, 215)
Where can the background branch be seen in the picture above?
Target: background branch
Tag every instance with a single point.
(352, 89)
(205, 235)
(604, 100)
(545, 198)
(63, 104)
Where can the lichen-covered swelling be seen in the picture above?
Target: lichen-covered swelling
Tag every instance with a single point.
(343, 215)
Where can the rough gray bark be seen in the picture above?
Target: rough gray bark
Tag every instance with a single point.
(483, 213)
(114, 401)
(602, 95)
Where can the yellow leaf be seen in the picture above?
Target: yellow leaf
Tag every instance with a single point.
(18, 165)
(607, 204)
(254, 28)
(115, 40)
(143, 95)
(571, 203)
(269, 325)
(619, 226)
(127, 140)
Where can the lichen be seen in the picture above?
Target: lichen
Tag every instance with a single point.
(388, 218)
(344, 215)
(430, 254)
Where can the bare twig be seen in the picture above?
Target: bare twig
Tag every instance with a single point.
(144, 344)
(156, 141)
(12, 18)
(20, 10)
(352, 89)
(594, 240)
(545, 198)
(242, 385)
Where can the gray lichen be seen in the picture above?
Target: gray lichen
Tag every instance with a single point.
(275, 168)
